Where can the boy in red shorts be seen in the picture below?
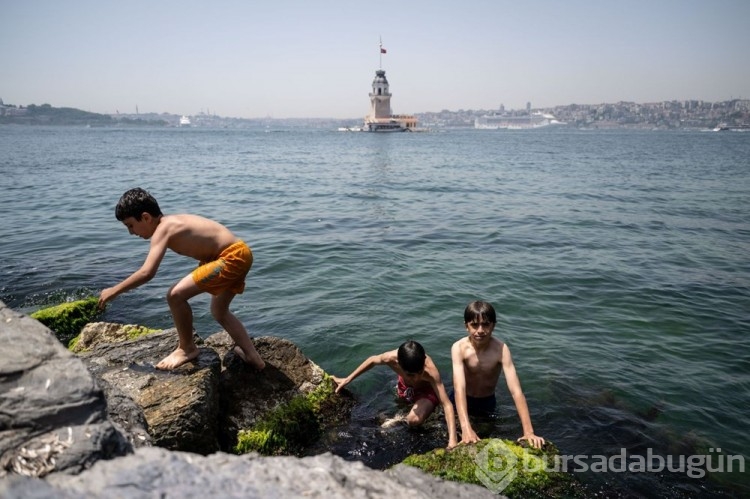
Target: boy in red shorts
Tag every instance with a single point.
(418, 383)
(224, 260)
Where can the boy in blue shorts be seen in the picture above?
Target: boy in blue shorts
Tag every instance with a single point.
(418, 383)
(478, 361)
(224, 260)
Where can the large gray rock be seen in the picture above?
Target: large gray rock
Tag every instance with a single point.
(155, 472)
(202, 405)
(180, 407)
(126, 415)
(53, 415)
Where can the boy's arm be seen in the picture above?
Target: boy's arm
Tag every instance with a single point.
(368, 364)
(514, 386)
(459, 392)
(450, 417)
(141, 276)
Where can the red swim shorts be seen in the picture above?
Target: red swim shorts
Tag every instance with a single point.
(227, 272)
(411, 395)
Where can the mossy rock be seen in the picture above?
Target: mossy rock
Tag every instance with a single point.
(67, 319)
(502, 466)
(95, 333)
(291, 427)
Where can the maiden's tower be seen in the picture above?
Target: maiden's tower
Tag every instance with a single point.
(380, 118)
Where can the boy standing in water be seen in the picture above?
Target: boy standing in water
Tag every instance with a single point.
(478, 361)
(418, 383)
(224, 260)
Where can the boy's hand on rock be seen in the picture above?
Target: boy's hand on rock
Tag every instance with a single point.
(535, 441)
(469, 437)
(105, 296)
(340, 383)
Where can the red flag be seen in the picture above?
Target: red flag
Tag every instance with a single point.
(382, 50)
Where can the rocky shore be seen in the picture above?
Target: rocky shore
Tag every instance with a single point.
(98, 420)
(105, 423)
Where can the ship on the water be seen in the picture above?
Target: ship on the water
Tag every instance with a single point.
(724, 127)
(515, 122)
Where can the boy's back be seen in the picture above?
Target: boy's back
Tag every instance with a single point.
(193, 236)
(428, 377)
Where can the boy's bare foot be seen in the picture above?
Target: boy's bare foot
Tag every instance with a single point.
(399, 417)
(177, 358)
(253, 360)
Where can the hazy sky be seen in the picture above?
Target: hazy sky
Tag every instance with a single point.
(317, 58)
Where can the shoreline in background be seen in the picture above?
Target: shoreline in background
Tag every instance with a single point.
(688, 114)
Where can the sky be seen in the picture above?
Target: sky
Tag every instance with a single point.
(317, 59)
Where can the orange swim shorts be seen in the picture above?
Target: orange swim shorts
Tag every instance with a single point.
(227, 272)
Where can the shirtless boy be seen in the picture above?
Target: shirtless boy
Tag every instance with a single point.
(418, 383)
(478, 361)
(224, 260)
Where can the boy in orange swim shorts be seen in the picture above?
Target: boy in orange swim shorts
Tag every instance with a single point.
(226, 272)
(224, 260)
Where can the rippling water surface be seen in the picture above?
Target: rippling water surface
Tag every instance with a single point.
(618, 261)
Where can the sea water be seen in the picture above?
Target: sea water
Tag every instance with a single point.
(617, 261)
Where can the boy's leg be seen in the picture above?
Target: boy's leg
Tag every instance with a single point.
(421, 409)
(177, 299)
(232, 325)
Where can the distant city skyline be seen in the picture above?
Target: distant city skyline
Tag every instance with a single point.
(286, 59)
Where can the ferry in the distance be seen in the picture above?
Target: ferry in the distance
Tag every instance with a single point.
(724, 127)
(184, 121)
(515, 122)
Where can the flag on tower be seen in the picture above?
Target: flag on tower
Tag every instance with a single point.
(382, 50)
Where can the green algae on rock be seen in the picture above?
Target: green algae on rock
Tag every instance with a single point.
(501, 466)
(291, 427)
(95, 333)
(67, 319)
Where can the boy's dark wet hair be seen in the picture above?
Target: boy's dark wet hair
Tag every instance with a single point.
(135, 203)
(411, 357)
(479, 311)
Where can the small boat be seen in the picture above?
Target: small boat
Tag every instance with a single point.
(184, 121)
(721, 127)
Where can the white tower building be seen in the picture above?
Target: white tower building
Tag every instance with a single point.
(380, 118)
(380, 97)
